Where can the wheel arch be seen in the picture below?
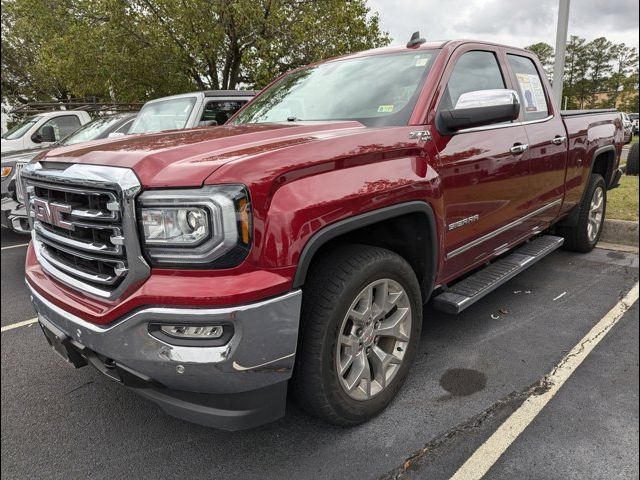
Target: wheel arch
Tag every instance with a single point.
(604, 160)
(372, 228)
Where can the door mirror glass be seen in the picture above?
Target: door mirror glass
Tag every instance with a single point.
(479, 108)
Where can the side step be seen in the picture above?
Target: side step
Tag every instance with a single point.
(473, 288)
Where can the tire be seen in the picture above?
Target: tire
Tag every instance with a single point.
(580, 237)
(334, 283)
(632, 160)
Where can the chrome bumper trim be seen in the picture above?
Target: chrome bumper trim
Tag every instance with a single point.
(260, 353)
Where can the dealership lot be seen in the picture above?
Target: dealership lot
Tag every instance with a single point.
(469, 376)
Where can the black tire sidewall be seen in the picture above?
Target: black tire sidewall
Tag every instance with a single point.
(351, 410)
(595, 181)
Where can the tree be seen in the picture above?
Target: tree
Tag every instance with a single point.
(600, 54)
(576, 67)
(132, 50)
(624, 60)
(546, 54)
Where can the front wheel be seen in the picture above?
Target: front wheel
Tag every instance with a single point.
(584, 236)
(361, 322)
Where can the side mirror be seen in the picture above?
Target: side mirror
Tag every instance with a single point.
(45, 134)
(479, 108)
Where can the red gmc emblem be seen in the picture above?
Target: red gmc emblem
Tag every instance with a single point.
(51, 212)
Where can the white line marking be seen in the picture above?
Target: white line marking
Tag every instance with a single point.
(560, 296)
(15, 246)
(24, 323)
(490, 451)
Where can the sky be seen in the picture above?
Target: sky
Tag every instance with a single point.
(513, 22)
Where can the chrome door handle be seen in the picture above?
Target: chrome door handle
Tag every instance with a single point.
(559, 140)
(519, 148)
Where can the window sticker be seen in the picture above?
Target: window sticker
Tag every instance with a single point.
(421, 62)
(385, 109)
(532, 92)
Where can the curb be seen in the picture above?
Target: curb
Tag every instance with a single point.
(622, 232)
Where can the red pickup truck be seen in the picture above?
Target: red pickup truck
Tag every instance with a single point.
(209, 270)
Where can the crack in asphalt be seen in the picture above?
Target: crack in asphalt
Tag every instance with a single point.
(514, 399)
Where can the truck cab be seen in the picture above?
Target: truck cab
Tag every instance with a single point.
(188, 110)
(43, 129)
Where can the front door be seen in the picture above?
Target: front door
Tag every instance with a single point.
(484, 179)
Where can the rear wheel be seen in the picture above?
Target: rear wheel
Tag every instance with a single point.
(585, 235)
(361, 322)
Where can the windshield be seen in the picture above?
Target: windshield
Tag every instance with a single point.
(163, 115)
(20, 129)
(92, 130)
(377, 90)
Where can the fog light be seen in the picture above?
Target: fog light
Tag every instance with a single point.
(195, 332)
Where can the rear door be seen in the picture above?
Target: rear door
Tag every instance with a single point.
(546, 139)
(485, 185)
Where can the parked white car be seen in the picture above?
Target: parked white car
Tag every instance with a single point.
(188, 110)
(43, 129)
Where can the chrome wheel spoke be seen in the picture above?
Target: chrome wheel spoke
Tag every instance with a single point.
(381, 361)
(359, 370)
(394, 325)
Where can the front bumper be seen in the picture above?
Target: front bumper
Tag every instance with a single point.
(238, 385)
(14, 215)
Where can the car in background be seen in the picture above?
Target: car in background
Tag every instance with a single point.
(188, 110)
(43, 129)
(627, 128)
(13, 214)
(634, 120)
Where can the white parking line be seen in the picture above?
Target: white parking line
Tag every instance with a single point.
(15, 246)
(24, 323)
(490, 451)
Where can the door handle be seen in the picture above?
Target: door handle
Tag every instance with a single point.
(519, 148)
(559, 140)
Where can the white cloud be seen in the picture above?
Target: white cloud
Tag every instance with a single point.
(518, 23)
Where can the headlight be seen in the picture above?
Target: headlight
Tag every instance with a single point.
(206, 227)
(6, 171)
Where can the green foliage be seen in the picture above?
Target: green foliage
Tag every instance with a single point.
(546, 54)
(600, 74)
(132, 50)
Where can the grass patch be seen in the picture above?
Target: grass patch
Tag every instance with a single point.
(622, 202)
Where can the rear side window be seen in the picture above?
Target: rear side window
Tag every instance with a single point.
(219, 111)
(532, 97)
(475, 70)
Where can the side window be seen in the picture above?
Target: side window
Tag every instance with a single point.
(475, 70)
(220, 110)
(532, 97)
(124, 128)
(63, 126)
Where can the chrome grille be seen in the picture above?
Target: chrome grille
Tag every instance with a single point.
(83, 226)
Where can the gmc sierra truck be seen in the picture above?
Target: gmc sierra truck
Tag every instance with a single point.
(212, 270)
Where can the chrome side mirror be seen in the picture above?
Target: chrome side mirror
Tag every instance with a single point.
(479, 108)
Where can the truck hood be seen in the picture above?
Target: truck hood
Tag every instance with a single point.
(185, 158)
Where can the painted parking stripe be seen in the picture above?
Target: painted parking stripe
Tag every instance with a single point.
(15, 246)
(490, 451)
(24, 323)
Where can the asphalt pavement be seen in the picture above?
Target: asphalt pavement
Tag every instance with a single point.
(472, 372)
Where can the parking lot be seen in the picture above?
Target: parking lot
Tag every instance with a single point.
(472, 372)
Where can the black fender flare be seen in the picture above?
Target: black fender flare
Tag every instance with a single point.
(571, 220)
(341, 227)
